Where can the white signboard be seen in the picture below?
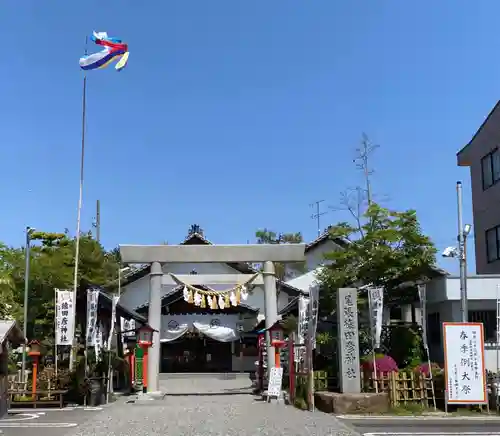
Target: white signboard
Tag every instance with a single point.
(464, 363)
(275, 382)
(65, 317)
(92, 300)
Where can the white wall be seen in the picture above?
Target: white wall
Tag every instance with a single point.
(315, 257)
(478, 287)
(136, 294)
(449, 311)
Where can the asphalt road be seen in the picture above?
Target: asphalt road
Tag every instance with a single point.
(427, 426)
(43, 422)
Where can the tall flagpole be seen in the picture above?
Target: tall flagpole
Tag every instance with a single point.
(79, 214)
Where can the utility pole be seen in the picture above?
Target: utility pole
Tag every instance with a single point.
(463, 232)
(363, 154)
(98, 221)
(27, 253)
(317, 216)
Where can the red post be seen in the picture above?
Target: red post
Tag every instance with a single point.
(35, 375)
(132, 367)
(291, 367)
(277, 357)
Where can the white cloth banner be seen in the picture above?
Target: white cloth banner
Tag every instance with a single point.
(223, 328)
(113, 321)
(376, 305)
(423, 313)
(98, 341)
(313, 310)
(92, 301)
(218, 333)
(65, 317)
(303, 327)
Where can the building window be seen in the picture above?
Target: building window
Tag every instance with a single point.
(493, 244)
(488, 318)
(490, 168)
(434, 328)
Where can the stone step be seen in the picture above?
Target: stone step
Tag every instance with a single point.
(205, 375)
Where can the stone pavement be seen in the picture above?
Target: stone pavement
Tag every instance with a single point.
(208, 406)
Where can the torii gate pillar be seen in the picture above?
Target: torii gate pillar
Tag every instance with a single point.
(154, 320)
(270, 309)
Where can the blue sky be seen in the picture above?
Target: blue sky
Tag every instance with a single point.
(237, 115)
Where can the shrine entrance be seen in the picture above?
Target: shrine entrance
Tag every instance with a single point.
(195, 354)
(214, 354)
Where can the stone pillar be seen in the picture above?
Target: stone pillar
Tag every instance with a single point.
(348, 343)
(270, 308)
(154, 320)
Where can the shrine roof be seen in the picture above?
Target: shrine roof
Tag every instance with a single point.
(10, 330)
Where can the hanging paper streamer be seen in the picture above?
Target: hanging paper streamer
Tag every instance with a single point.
(114, 50)
(212, 298)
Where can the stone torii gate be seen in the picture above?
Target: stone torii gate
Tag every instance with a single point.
(156, 255)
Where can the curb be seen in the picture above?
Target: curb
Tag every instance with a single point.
(417, 418)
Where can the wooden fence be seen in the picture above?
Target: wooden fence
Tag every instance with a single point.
(404, 388)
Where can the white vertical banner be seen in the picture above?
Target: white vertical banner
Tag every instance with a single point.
(303, 326)
(376, 305)
(113, 321)
(98, 341)
(313, 312)
(423, 314)
(92, 301)
(65, 317)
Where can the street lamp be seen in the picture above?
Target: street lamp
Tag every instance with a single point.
(460, 252)
(29, 232)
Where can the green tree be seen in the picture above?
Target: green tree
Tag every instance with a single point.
(386, 248)
(266, 236)
(52, 267)
(9, 307)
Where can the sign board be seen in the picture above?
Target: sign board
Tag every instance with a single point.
(275, 382)
(347, 319)
(464, 363)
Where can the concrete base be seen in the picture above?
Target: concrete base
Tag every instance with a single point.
(333, 402)
(158, 395)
